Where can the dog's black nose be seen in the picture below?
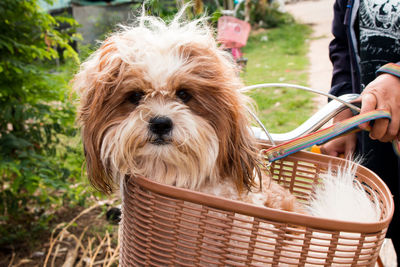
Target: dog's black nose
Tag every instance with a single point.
(160, 125)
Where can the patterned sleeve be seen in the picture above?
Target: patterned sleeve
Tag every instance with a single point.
(391, 68)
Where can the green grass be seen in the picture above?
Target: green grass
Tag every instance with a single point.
(282, 58)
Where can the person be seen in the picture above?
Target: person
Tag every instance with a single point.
(364, 52)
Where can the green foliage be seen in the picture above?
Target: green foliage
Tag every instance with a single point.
(164, 9)
(38, 164)
(265, 15)
(167, 9)
(268, 16)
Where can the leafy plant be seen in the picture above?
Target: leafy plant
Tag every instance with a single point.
(167, 9)
(164, 9)
(37, 165)
(263, 14)
(268, 16)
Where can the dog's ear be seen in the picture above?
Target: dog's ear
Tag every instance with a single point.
(239, 146)
(96, 84)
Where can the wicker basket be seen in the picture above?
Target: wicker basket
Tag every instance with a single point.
(167, 226)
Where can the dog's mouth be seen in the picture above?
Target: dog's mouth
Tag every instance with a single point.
(160, 141)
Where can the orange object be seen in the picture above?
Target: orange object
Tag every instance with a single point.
(316, 149)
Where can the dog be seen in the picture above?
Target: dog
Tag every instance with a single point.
(161, 100)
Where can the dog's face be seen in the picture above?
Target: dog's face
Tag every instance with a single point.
(162, 102)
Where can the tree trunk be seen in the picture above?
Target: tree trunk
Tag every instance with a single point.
(247, 9)
(198, 7)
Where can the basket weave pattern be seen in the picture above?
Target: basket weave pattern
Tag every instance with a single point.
(168, 226)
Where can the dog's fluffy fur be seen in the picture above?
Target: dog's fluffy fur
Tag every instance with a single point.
(341, 197)
(161, 101)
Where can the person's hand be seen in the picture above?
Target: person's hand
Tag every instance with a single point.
(344, 145)
(383, 93)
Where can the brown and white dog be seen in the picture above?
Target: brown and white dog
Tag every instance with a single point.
(161, 100)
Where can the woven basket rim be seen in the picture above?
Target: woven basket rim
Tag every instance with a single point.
(280, 216)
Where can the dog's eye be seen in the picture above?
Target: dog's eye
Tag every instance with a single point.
(184, 95)
(135, 97)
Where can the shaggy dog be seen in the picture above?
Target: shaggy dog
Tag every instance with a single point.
(161, 100)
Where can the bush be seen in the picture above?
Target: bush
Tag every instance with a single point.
(38, 164)
(265, 14)
(269, 16)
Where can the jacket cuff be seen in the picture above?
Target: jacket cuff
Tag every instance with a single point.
(341, 88)
(390, 68)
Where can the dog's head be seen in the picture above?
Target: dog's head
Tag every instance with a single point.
(160, 100)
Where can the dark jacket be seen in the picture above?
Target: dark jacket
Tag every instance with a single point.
(343, 49)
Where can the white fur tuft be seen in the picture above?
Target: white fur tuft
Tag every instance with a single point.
(341, 197)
